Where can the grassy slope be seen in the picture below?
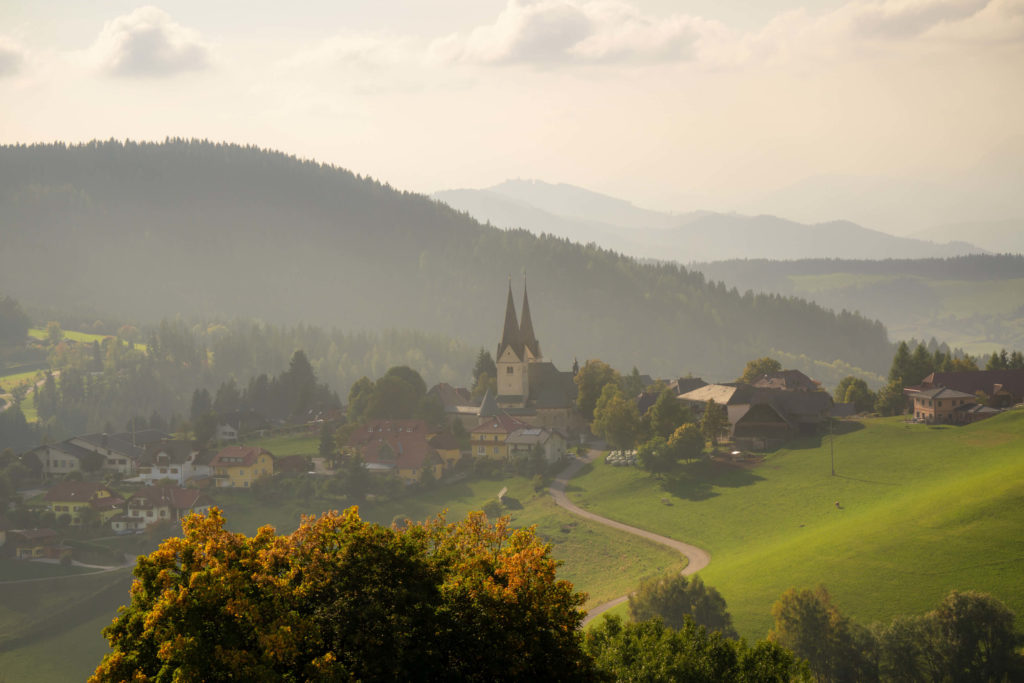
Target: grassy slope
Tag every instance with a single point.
(924, 510)
(68, 656)
(599, 561)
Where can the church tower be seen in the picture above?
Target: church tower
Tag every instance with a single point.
(518, 348)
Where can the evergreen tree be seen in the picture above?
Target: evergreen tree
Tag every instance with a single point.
(714, 423)
(901, 364)
(484, 366)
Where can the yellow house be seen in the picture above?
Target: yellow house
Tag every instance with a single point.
(447, 448)
(240, 466)
(74, 498)
(487, 440)
(405, 447)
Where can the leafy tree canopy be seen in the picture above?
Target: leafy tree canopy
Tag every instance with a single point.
(675, 598)
(652, 651)
(615, 418)
(591, 380)
(341, 599)
(761, 366)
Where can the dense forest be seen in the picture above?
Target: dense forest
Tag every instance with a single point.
(971, 301)
(150, 375)
(148, 231)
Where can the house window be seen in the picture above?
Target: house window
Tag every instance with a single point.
(510, 370)
(481, 450)
(497, 450)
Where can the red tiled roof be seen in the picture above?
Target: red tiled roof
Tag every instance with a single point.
(75, 491)
(399, 443)
(375, 429)
(238, 456)
(171, 496)
(499, 424)
(973, 381)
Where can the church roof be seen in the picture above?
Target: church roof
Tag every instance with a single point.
(489, 406)
(551, 388)
(526, 335)
(510, 335)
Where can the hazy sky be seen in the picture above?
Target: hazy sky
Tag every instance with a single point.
(895, 113)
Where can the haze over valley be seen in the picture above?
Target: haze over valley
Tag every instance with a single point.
(472, 340)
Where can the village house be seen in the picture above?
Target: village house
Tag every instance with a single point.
(786, 413)
(943, 406)
(487, 439)
(999, 388)
(240, 466)
(523, 442)
(36, 544)
(82, 500)
(177, 460)
(60, 459)
(117, 450)
(403, 447)
(153, 504)
(786, 380)
(458, 403)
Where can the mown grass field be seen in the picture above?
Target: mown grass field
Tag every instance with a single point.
(923, 511)
(288, 444)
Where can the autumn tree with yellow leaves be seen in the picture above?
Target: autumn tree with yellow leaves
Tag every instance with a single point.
(344, 599)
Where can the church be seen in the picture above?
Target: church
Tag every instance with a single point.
(529, 388)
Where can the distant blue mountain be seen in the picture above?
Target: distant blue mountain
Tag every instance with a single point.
(585, 216)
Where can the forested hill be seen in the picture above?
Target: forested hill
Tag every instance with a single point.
(151, 230)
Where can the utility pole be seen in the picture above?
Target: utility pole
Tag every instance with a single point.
(832, 443)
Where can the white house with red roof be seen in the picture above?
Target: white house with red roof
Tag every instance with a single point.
(152, 504)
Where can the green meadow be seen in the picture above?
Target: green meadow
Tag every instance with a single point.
(288, 444)
(922, 510)
(602, 562)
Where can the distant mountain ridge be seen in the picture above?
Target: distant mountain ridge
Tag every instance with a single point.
(147, 230)
(586, 216)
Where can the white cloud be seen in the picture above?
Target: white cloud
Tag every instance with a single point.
(571, 31)
(610, 31)
(12, 58)
(356, 49)
(147, 42)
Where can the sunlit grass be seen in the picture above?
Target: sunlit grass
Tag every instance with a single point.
(81, 337)
(288, 444)
(922, 511)
(601, 562)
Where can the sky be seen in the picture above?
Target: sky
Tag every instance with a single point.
(898, 114)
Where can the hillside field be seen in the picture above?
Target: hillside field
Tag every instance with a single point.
(923, 510)
(602, 562)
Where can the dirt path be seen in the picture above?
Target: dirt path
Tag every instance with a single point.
(698, 558)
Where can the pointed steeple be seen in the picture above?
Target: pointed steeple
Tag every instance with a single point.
(510, 336)
(529, 339)
(489, 406)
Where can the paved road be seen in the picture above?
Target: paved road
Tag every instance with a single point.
(698, 557)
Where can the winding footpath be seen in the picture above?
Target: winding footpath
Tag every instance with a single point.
(698, 558)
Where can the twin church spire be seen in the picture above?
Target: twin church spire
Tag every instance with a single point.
(518, 334)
